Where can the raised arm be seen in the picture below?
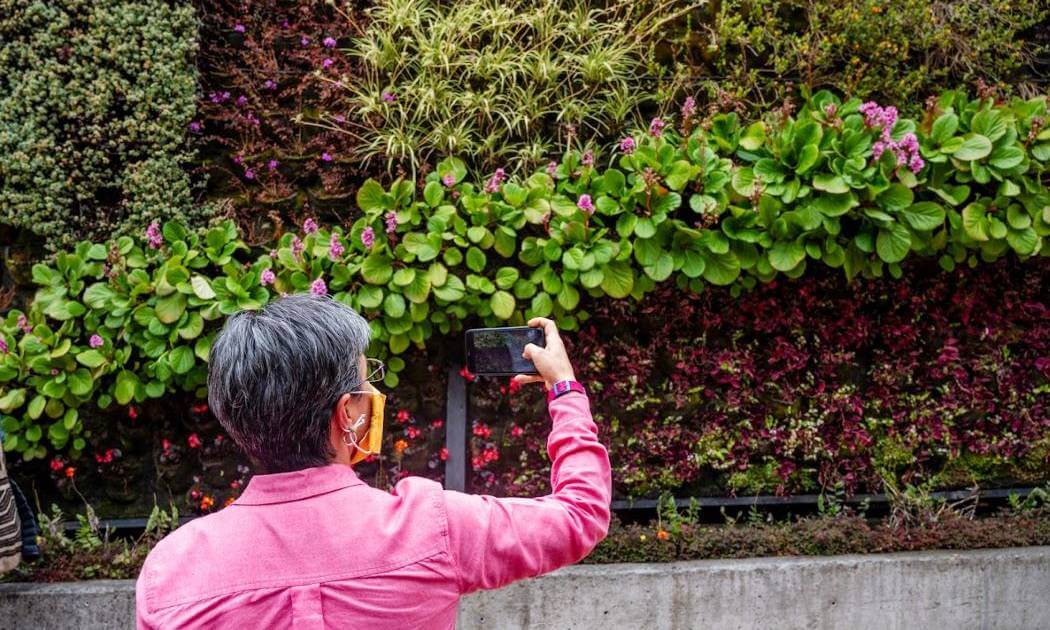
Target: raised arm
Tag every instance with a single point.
(497, 541)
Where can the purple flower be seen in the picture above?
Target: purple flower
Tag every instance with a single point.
(368, 237)
(267, 277)
(96, 341)
(297, 246)
(3, 346)
(23, 323)
(830, 109)
(878, 149)
(249, 173)
(656, 128)
(391, 222)
(327, 63)
(239, 28)
(195, 127)
(910, 143)
(242, 100)
(319, 287)
(449, 180)
(627, 145)
(219, 97)
(552, 168)
(388, 97)
(252, 120)
(335, 247)
(273, 165)
(688, 108)
(273, 253)
(309, 225)
(588, 158)
(329, 42)
(54, 371)
(153, 235)
(305, 41)
(326, 157)
(339, 118)
(285, 24)
(270, 84)
(916, 163)
(875, 116)
(238, 160)
(585, 204)
(494, 182)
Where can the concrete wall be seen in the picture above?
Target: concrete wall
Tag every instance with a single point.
(986, 590)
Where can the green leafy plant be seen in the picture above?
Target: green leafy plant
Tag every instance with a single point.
(95, 99)
(723, 204)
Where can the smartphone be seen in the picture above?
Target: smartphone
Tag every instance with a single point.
(497, 351)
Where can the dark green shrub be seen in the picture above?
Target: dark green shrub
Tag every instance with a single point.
(95, 99)
(900, 50)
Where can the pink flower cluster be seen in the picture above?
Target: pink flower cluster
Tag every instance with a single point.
(96, 341)
(391, 222)
(267, 277)
(906, 150)
(368, 237)
(496, 181)
(153, 236)
(627, 145)
(335, 247)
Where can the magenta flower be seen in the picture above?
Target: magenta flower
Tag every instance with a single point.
(552, 168)
(368, 237)
(329, 42)
(830, 109)
(219, 97)
(326, 157)
(238, 160)
(656, 128)
(309, 225)
(249, 173)
(495, 181)
(627, 145)
(242, 100)
(319, 287)
(273, 165)
(54, 371)
(270, 84)
(267, 277)
(239, 28)
(388, 97)
(449, 180)
(915, 163)
(327, 63)
(3, 346)
(154, 236)
(688, 108)
(195, 127)
(305, 41)
(23, 323)
(96, 341)
(335, 247)
(588, 158)
(585, 204)
(391, 222)
(297, 246)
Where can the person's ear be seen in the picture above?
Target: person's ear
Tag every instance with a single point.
(342, 415)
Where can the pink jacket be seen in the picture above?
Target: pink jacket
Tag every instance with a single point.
(318, 548)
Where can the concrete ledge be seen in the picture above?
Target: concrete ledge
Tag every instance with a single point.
(986, 589)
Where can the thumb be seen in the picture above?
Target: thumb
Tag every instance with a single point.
(530, 350)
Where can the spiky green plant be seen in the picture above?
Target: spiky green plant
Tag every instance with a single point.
(507, 82)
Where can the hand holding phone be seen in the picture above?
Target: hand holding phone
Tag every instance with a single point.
(551, 361)
(499, 351)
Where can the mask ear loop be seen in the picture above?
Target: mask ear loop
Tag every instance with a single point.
(350, 439)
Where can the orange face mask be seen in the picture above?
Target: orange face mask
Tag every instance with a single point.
(373, 440)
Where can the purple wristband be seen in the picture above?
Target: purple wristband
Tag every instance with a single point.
(564, 387)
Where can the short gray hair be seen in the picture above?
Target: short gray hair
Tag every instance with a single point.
(276, 374)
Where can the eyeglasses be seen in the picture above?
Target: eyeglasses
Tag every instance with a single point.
(376, 371)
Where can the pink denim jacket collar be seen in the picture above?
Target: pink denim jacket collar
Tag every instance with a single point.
(297, 485)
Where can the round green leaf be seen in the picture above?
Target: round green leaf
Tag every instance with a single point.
(893, 243)
(502, 304)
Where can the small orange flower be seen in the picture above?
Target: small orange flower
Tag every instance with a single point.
(400, 446)
(662, 535)
(228, 501)
(207, 503)
(70, 471)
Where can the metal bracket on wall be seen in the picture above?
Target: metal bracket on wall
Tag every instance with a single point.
(456, 432)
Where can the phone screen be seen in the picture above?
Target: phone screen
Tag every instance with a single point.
(497, 351)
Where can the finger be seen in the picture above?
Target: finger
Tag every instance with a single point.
(550, 329)
(530, 348)
(524, 379)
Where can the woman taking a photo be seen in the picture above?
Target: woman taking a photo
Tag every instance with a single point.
(309, 545)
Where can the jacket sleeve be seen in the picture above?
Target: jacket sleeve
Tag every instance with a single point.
(497, 541)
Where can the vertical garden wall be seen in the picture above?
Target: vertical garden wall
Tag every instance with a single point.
(784, 268)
